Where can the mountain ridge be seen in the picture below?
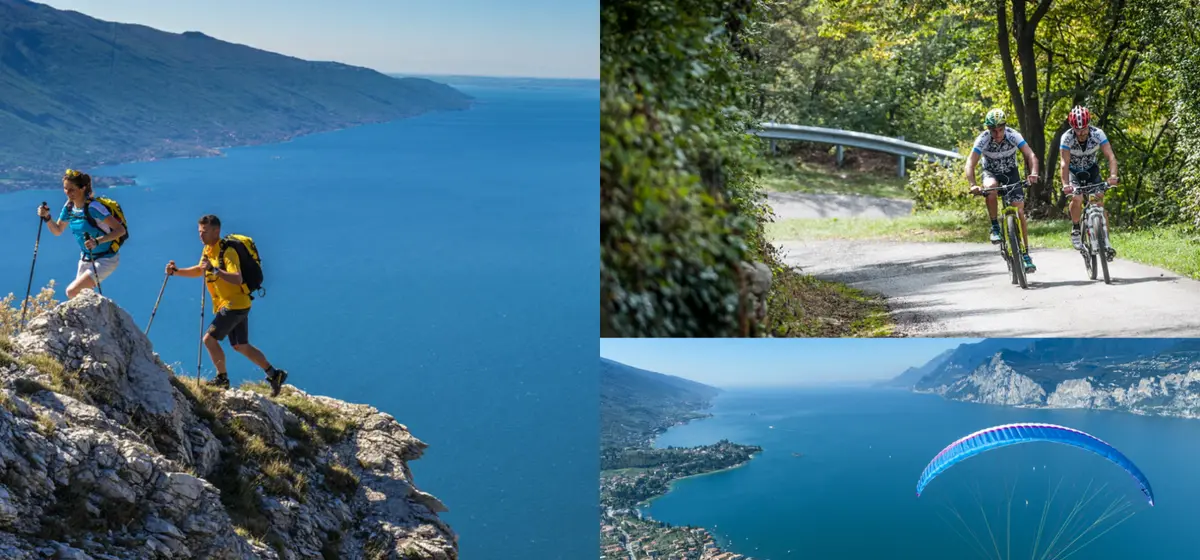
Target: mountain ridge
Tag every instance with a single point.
(637, 404)
(1139, 376)
(78, 92)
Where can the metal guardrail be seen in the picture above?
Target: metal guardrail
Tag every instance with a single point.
(840, 138)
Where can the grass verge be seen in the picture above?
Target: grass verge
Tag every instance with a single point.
(804, 306)
(808, 177)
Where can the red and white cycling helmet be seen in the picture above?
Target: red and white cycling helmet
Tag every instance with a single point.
(1079, 117)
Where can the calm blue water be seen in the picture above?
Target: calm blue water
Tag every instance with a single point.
(852, 493)
(442, 269)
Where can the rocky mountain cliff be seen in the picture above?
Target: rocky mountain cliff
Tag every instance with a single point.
(105, 454)
(1160, 377)
(965, 358)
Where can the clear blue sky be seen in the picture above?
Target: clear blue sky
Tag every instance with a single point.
(777, 361)
(532, 38)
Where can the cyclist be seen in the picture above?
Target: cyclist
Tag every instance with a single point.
(998, 147)
(1078, 149)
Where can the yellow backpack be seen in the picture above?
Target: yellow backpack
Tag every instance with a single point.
(116, 210)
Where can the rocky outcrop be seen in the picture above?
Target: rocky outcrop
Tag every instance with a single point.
(756, 285)
(996, 383)
(1145, 388)
(105, 454)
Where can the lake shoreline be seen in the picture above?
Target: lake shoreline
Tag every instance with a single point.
(103, 181)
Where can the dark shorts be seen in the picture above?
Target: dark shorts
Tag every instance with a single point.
(1089, 176)
(1017, 194)
(234, 323)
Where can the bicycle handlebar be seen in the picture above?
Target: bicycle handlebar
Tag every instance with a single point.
(983, 191)
(1093, 187)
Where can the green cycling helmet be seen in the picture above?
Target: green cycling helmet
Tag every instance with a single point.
(994, 117)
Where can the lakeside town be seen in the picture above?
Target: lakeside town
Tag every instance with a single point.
(636, 407)
(631, 476)
(625, 535)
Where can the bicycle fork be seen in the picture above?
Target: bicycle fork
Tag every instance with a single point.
(1021, 249)
(1096, 213)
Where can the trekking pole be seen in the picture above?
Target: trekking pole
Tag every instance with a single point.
(92, 259)
(156, 302)
(28, 288)
(200, 347)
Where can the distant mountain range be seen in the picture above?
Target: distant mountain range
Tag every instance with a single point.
(80, 92)
(637, 404)
(1140, 375)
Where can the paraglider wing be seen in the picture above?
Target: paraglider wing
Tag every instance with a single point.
(1012, 434)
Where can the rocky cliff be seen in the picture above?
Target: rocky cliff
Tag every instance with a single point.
(106, 454)
(945, 369)
(1166, 384)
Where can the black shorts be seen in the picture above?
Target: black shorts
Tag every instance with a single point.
(234, 323)
(1016, 194)
(1089, 176)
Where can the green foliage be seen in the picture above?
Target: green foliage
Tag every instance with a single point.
(841, 64)
(678, 208)
(937, 186)
(928, 70)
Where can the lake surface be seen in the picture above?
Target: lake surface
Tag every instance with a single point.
(440, 268)
(851, 492)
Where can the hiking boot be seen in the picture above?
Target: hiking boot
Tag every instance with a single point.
(1076, 240)
(221, 381)
(995, 234)
(1029, 266)
(276, 378)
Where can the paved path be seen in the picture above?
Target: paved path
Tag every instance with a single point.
(964, 290)
(789, 205)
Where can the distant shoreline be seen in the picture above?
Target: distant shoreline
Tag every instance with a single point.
(671, 485)
(204, 152)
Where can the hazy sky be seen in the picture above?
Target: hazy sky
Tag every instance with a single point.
(777, 361)
(532, 38)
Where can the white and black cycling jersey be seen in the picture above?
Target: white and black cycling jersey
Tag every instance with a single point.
(1083, 154)
(999, 157)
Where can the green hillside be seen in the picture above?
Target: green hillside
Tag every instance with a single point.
(79, 92)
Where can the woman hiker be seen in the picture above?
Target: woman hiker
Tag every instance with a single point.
(96, 230)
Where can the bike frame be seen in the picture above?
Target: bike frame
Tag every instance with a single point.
(1091, 210)
(1006, 210)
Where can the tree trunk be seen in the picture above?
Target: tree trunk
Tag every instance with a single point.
(1026, 95)
(1010, 74)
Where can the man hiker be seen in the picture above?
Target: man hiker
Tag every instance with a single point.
(222, 271)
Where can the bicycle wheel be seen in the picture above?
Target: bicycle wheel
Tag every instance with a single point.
(1101, 246)
(1089, 258)
(1014, 241)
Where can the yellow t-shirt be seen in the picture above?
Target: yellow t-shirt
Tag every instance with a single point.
(225, 294)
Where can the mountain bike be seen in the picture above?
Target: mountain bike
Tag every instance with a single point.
(1012, 235)
(1094, 231)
